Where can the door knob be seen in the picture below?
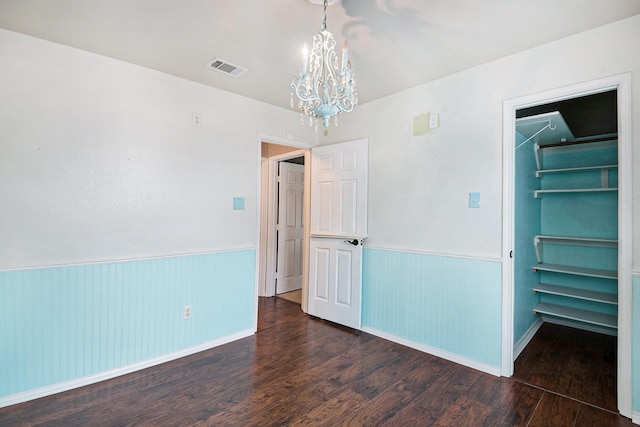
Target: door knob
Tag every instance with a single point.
(353, 242)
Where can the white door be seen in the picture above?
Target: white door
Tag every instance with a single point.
(290, 227)
(339, 174)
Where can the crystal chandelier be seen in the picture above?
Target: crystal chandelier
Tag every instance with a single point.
(324, 89)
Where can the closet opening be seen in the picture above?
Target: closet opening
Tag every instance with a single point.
(565, 272)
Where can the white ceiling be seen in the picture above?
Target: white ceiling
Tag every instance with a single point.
(394, 44)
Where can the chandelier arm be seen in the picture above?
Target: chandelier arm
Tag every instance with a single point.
(307, 92)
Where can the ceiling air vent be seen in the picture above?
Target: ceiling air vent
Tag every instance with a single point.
(226, 67)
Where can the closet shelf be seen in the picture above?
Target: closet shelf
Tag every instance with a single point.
(580, 173)
(573, 145)
(542, 172)
(577, 271)
(606, 138)
(570, 292)
(539, 193)
(538, 242)
(581, 241)
(571, 313)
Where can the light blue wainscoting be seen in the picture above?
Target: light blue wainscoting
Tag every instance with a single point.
(61, 324)
(446, 303)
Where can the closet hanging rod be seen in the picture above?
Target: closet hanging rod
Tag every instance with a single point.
(544, 128)
(547, 126)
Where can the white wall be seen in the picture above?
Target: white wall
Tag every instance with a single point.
(419, 185)
(99, 161)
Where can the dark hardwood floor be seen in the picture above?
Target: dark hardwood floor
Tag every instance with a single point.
(571, 362)
(301, 371)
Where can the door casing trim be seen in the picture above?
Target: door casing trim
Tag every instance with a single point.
(621, 83)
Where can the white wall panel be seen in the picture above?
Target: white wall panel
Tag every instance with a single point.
(99, 161)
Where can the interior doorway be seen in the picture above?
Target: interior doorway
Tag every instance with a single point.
(556, 218)
(283, 215)
(290, 228)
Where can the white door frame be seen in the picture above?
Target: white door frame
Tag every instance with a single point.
(261, 261)
(622, 83)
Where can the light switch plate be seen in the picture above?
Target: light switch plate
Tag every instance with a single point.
(238, 203)
(474, 200)
(434, 121)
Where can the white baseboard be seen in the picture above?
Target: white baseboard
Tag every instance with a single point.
(113, 373)
(526, 338)
(493, 370)
(636, 417)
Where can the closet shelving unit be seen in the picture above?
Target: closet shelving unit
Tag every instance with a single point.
(595, 302)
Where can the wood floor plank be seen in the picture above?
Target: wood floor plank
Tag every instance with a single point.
(591, 416)
(512, 402)
(387, 404)
(555, 410)
(464, 412)
(442, 393)
(332, 411)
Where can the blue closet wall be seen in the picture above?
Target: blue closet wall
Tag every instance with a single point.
(582, 214)
(527, 225)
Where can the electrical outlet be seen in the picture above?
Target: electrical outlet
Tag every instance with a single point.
(196, 119)
(186, 314)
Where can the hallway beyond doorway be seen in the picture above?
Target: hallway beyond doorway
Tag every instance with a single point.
(293, 296)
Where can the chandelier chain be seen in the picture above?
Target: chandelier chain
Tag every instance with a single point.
(324, 21)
